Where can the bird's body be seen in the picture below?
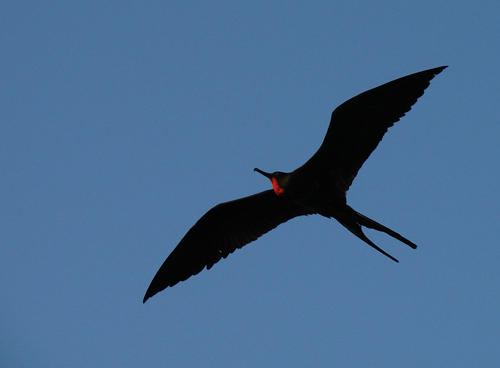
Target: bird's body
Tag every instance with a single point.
(317, 187)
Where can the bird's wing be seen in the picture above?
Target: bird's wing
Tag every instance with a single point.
(219, 232)
(358, 125)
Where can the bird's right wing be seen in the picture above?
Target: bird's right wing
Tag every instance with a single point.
(221, 231)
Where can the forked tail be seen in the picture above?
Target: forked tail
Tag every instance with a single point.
(353, 221)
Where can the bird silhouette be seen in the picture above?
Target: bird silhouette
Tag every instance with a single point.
(317, 187)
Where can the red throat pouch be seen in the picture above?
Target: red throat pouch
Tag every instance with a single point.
(277, 189)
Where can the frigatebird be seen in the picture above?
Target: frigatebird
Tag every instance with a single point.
(317, 187)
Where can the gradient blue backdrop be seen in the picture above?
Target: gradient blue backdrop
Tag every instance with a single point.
(123, 122)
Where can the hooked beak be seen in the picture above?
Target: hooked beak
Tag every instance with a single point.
(267, 175)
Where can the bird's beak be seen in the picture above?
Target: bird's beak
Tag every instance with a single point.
(267, 175)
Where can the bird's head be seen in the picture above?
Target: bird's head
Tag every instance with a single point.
(278, 179)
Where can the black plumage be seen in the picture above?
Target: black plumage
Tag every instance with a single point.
(317, 187)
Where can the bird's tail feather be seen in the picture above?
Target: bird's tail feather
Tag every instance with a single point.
(353, 221)
(372, 224)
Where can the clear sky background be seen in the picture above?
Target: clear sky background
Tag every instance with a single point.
(123, 122)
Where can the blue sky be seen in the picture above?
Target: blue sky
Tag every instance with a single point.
(123, 122)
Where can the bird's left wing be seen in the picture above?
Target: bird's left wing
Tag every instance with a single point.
(358, 125)
(219, 232)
